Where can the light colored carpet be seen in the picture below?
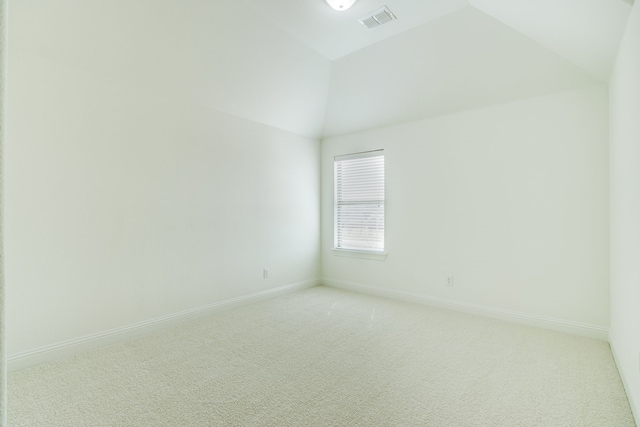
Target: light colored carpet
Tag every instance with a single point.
(325, 357)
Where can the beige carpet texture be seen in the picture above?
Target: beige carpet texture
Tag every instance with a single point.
(326, 357)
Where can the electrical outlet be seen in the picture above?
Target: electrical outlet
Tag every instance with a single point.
(449, 280)
(265, 273)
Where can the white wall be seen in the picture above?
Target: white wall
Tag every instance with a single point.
(625, 209)
(3, 345)
(511, 200)
(127, 200)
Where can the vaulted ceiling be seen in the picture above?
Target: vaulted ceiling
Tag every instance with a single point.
(300, 66)
(442, 56)
(586, 32)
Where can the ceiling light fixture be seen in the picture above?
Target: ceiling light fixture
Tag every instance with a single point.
(340, 4)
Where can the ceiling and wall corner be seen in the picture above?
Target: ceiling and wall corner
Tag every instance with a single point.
(271, 61)
(444, 56)
(585, 32)
(462, 61)
(219, 55)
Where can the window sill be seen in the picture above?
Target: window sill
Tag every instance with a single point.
(378, 256)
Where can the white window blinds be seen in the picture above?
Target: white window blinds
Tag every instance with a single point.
(359, 201)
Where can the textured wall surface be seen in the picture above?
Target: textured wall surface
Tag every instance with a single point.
(3, 358)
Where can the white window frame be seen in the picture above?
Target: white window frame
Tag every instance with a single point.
(374, 194)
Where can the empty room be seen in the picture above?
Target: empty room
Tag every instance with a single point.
(320, 213)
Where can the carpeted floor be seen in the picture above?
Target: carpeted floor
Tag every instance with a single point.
(325, 357)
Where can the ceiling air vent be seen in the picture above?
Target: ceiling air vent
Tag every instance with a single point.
(377, 18)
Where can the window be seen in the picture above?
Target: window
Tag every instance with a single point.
(359, 202)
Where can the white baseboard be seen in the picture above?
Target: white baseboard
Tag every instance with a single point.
(71, 347)
(635, 410)
(567, 326)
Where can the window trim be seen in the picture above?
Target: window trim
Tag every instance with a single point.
(347, 253)
(360, 252)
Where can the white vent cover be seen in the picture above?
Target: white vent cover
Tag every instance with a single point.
(377, 18)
